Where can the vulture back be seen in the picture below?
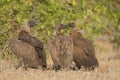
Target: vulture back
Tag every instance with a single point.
(26, 52)
(36, 43)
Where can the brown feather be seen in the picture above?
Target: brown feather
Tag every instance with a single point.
(26, 52)
(84, 52)
(29, 48)
(61, 49)
(36, 43)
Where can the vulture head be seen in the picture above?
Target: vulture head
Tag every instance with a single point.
(27, 25)
(74, 32)
(72, 25)
(31, 23)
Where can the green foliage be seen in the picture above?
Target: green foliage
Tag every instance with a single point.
(97, 17)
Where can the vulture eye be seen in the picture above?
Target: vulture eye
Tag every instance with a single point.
(39, 56)
(41, 48)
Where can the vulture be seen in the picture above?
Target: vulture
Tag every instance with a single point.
(84, 52)
(61, 49)
(29, 48)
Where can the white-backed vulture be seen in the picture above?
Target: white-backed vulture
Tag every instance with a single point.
(61, 49)
(29, 48)
(84, 52)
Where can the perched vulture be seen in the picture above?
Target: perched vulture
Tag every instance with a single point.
(84, 52)
(29, 48)
(61, 49)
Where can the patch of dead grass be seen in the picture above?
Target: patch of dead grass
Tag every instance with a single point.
(107, 70)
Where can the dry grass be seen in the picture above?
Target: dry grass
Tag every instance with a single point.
(109, 69)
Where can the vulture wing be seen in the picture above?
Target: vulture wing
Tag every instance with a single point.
(25, 51)
(36, 43)
(84, 44)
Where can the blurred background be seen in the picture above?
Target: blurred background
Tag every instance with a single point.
(96, 19)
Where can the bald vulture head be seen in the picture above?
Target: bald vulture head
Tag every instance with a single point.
(74, 30)
(72, 25)
(26, 26)
(58, 28)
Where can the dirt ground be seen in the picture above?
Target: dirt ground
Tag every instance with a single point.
(109, 68)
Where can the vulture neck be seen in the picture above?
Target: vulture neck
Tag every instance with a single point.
(75, 33)
(25, 28)
(74, 29)
(57, 33)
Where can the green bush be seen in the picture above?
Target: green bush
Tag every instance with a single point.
(97, 17)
